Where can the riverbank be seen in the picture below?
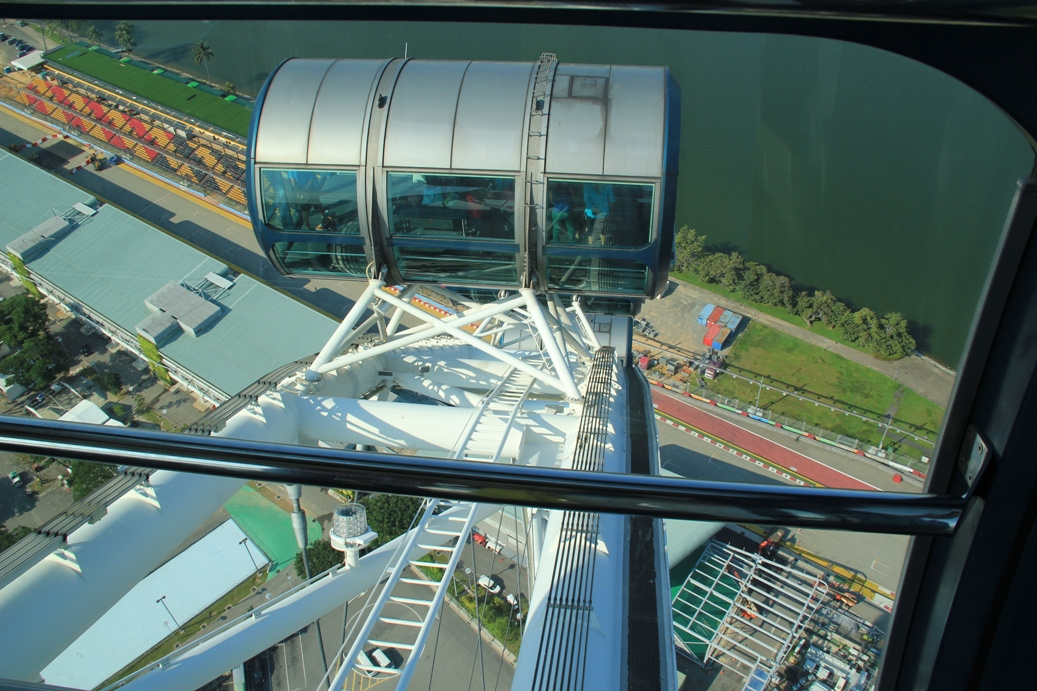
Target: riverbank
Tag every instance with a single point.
(673, 314)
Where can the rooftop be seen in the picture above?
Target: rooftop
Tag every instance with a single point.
(113, 263)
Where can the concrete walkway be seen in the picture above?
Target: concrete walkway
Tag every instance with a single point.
(673, 314)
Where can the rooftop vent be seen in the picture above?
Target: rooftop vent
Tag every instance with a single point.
(173, 306)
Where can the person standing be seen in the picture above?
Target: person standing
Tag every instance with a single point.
(597, 198)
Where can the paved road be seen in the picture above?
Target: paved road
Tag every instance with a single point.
(879, 557)
(766, 449)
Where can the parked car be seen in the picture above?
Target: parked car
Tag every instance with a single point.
(85, 350)
(16, 478)
(492, 586)
(375, 658)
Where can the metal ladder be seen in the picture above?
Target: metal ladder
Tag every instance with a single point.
(484, 439)
(536, 147)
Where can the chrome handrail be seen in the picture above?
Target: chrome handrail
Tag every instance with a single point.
(679, 498)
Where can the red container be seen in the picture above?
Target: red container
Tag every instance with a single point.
(711, 333)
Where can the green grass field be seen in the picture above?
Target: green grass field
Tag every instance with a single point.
(765, 354)
(230, 116)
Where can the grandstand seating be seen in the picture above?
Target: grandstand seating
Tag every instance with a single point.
(220, 171)
(77, 101)
(137, 127)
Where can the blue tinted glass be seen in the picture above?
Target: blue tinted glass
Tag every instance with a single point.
(459, 206)
(608, 214)
(310, 200)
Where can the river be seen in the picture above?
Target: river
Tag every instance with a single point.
(848, 168)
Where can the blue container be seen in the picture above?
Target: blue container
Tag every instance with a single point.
(704, 314)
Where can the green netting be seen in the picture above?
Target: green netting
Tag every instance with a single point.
(701, 605)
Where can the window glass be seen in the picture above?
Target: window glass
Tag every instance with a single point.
(458, 206)
(588, 272)
(310, 200)
(321, 258)
(829, 193)
(609, 214)
(463, 266)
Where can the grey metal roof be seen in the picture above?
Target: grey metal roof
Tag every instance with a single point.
(37, 240)
(114, 261)
(191, 311)
(607, 121)
(335, 97)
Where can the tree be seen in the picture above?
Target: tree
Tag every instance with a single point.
(203, 55)
(22, 318)
(9, 537)
(688, 248)
(36, 364)
(112, 382)
(390, 515)
(124, 36)
(725, 269)
(86, 477)
(322, 557)
(822, 306)
(230, 88)
(777, 290)
(894, 341)
(861, 328)
(73, 26)
(751, 283)
(93, 35)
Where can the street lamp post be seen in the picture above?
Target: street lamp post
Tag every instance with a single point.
(299, 524)
(244, 541)
(889, 419)
(162, 601)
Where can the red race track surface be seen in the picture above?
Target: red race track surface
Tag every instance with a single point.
(755, 444)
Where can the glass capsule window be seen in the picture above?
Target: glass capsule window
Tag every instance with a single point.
(451, 206)
(606, 214)
(322, 259)
(458, 265)
(310, 200)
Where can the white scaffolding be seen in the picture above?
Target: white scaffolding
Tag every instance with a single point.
(743, 611)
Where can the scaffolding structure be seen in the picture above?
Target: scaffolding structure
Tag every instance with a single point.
(743, 611)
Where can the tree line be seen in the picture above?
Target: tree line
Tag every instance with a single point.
(886, 337)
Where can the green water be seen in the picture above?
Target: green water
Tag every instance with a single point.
(848, 168)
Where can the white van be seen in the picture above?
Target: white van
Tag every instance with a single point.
(373, 658)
